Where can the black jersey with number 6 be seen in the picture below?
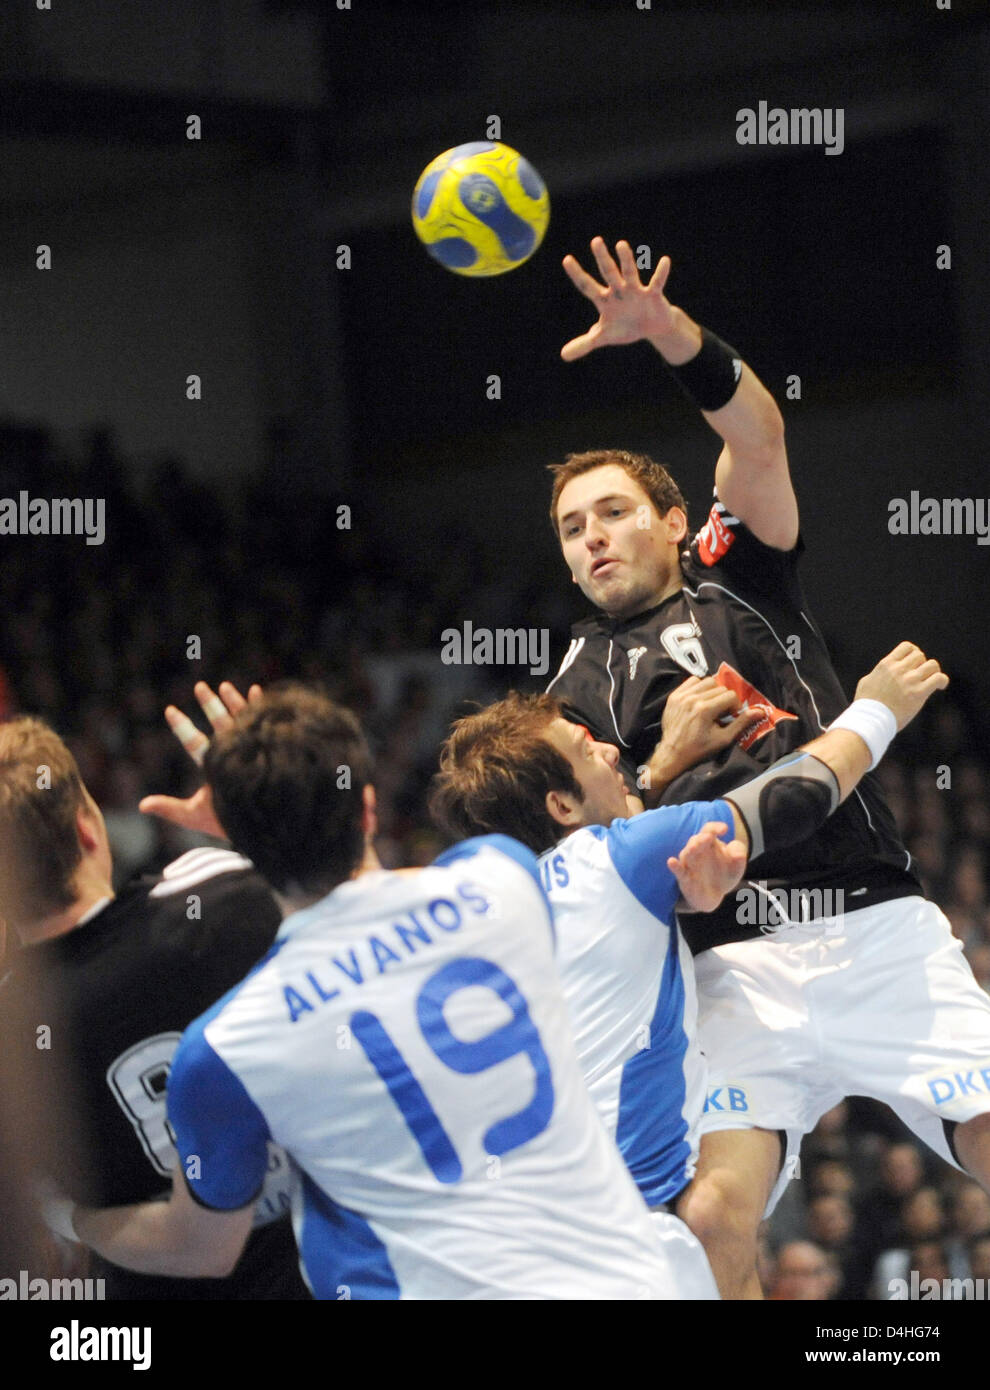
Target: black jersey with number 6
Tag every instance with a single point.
(742, 618)
(117, 993)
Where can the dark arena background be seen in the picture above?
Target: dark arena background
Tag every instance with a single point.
(342, 484)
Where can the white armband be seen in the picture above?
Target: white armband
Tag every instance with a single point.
(874, 723)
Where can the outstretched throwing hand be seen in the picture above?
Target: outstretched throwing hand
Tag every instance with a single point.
(627, 309)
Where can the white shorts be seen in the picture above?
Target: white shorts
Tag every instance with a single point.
(693, 1277)
(879, 1003)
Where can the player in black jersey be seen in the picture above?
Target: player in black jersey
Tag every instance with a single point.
(826, 973)
(118, 978)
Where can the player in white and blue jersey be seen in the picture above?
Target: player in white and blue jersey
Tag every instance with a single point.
(407, 1042)
(520, 768)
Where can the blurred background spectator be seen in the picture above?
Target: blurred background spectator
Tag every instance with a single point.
(802, 1272)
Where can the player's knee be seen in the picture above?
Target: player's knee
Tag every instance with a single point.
(722, 1208)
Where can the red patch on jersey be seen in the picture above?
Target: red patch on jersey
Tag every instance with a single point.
(751, 698)
(714, 538)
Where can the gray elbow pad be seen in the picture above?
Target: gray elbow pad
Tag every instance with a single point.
(787, 803)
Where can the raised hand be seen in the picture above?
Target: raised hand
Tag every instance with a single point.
(707, 868)
(196, 812)
(627, 309)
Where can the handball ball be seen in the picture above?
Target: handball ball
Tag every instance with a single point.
(480, 209)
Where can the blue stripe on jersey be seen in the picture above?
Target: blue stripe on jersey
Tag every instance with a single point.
(505, 845)
(216, 1122)
(214, 1118)
(341, 1255)
(651, 1131)
(639, 849)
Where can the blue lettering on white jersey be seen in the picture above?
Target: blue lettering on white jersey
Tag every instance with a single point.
(629, 983)
(409, 1046)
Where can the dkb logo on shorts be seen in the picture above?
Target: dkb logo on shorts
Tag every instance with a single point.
(726, 1098)
(959, 1083)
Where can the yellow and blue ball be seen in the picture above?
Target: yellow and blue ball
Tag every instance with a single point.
(480, 209)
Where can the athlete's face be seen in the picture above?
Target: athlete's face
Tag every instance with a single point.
(621, 552)
(595, 768)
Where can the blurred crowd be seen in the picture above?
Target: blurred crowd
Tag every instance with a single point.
(873, 1216)
(260, 584)
(194, 584)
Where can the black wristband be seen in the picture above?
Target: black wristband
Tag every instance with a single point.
(710, 378)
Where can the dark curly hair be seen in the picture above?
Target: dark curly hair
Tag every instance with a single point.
(288, 779)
